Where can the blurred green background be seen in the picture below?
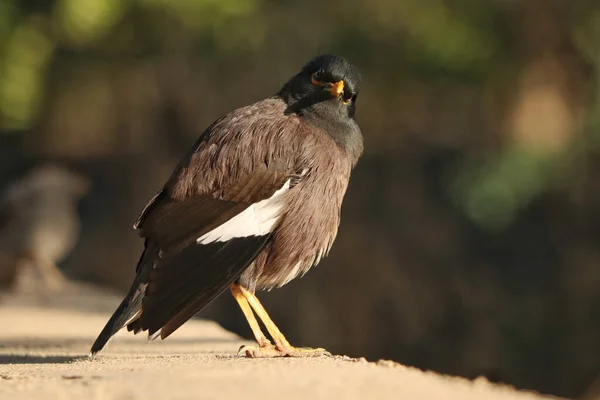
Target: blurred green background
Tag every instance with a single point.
(470, 237)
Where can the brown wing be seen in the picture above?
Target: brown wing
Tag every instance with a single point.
(241, 160)
(186, 275)
(238, 161)
(174, 223)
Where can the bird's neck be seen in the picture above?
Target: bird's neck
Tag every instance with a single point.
(320, 111)
(344, 131)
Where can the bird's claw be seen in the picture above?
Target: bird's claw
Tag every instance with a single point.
(271, 351)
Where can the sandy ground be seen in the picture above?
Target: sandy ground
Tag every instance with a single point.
(44, 344)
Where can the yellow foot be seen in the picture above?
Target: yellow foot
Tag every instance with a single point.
(274, 351)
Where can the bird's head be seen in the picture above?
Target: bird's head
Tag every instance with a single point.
(327, 83)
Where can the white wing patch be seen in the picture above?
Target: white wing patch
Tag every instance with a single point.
(257, 220)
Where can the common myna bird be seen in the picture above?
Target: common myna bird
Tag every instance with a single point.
(39, 224)
(253, 205)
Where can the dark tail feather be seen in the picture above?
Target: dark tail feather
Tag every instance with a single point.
(131, 307)
(135, 327)
(123, 314)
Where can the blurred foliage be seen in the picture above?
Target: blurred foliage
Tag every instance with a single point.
(438, 37)
(471, 223)
(29, 32)
(493, 194)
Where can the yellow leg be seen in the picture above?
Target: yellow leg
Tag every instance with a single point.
(282, 346)
(278, 338)
(237, 292)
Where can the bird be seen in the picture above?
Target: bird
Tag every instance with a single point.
(39, 224)
(255, 203)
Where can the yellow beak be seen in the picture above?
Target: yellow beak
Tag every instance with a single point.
(337, 88)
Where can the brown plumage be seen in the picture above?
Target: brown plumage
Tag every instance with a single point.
(255, 204)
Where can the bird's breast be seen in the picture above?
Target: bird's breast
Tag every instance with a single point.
(307, 228)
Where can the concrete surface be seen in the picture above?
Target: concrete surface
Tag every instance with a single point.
(43, 355)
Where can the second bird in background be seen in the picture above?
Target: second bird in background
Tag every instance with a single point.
(39, 224)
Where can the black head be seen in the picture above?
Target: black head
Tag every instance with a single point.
(324, 95)
(327, 82)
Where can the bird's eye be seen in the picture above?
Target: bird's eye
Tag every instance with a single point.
(315, 78)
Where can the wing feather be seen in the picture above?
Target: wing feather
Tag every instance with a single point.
(238, 163)
(226, 174)
(179, 288)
